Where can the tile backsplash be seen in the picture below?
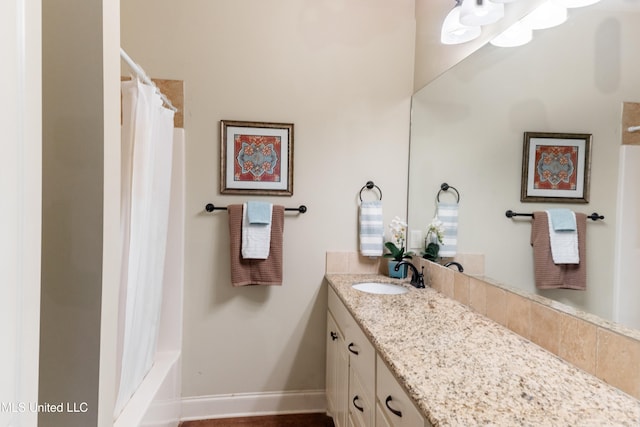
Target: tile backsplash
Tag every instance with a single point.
(601, 348)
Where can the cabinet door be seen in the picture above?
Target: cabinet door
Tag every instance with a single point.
(394, 404)
(361, 403)
(337, 377)
(362, 358)
(381, 419)
(362, 353)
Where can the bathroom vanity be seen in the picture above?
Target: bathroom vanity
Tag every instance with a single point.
(422, 359)
(361, 390)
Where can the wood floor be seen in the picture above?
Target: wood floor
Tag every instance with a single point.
(292, 420)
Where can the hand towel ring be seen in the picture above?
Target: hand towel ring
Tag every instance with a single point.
(369, 186)
(445, 187)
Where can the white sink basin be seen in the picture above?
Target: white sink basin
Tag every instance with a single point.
(380, 288)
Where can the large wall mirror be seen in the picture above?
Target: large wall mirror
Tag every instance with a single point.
(467, 130)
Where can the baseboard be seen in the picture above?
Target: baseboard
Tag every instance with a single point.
(253, 404)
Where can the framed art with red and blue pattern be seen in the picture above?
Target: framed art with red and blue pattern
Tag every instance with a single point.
(256, 158)
(556, 167)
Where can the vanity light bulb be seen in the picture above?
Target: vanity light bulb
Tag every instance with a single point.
(453, 32)
(516, 35)
(575, 3)
(473, 14)
(549, 14)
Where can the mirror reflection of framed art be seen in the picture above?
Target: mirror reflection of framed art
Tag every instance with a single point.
(556, 167)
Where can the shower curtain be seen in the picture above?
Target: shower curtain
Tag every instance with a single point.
(147, 139)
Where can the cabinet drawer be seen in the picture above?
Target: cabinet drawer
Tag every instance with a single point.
(381, 418)
(340, 313)
(337, 374)
(393, 402)
(361, 403)
(362, 356)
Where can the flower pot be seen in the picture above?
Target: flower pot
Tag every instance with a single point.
(400, 274)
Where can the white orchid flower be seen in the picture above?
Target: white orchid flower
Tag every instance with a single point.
(436, 228)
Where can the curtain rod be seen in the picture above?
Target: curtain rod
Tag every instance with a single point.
(143, 76)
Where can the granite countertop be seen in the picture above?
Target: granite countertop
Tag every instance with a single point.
(463, 369)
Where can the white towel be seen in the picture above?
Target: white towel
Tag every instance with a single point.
(371, 228)
(448, 215)
(564, 244)
(256, 238)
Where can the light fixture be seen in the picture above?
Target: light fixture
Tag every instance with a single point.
(453, 32)
(575, 3)
(548, 14)
(474, 14)
(463, 23)
(516, 35)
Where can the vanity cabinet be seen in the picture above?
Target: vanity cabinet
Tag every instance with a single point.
(361, 390)
(394, 408)
(350, 369)
(337, 377)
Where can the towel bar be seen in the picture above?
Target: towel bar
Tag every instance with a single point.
(210, 207)
(510, 214)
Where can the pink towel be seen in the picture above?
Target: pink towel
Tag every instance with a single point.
(557, 276)
(256, 271)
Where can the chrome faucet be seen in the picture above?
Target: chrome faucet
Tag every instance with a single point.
(457, 264)
(417, 279)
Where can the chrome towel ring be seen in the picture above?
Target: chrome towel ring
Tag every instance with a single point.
(369, 186)
(446, 187)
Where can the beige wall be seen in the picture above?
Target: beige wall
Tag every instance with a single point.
(468, 130)
(342, 72)
(80, 210)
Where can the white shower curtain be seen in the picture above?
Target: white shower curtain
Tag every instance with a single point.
(147, 138)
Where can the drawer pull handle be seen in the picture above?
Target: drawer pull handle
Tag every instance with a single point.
(359, 408)
(352, 350)
(334, 336)
(394, 411)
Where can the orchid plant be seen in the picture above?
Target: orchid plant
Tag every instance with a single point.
(435, 231)
(435, 228)
(396, 247)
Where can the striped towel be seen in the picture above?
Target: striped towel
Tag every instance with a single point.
(448, 214)
(371, 228)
